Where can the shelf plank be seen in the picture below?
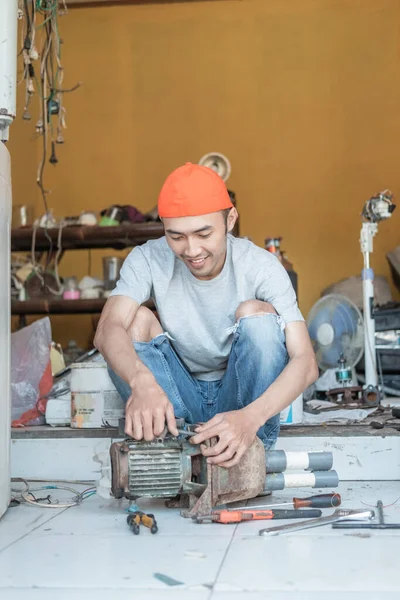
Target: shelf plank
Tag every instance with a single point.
(59, 306)
(56, 306)
(86, 237)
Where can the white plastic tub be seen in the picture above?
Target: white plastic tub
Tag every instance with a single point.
(94, 400)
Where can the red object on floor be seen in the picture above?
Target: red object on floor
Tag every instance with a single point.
(45, 385)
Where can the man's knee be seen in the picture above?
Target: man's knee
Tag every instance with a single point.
(253, 307)
(145, 326)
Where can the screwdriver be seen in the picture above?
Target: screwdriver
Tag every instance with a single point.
(236, 516)
(186, 432)
(319, 501)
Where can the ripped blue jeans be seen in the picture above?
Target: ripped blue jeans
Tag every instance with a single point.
(258, 355)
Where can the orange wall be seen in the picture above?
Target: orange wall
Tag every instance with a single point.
(303, 96)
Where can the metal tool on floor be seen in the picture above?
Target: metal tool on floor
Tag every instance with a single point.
(380, 425)
(237, 516)
(138, 518)
(380, 525)
(318, 501)
(338, 515)
(396, 412)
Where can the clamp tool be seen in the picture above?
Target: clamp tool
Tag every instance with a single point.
(357, 525)
(137, 518)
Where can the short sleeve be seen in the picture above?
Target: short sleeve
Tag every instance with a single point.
(274, 286)
(135, 278)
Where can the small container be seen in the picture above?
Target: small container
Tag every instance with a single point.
(22, 215)
(58, 411)
(111, 269)
(94, 400)
(71, 289)
(111, 217)
(293, 414)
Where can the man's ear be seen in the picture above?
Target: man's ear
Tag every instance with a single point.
(231, 220)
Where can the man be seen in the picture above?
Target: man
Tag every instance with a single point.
(231, 349)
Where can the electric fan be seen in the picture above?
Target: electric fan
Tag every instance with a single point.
(335, 326)
(336, 330)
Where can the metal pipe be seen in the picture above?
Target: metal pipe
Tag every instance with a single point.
(278, 461)
(8, 65)
(315, 479)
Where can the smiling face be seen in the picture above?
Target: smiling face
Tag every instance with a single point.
(200, 242)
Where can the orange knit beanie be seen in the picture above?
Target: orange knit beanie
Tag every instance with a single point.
(192, 190)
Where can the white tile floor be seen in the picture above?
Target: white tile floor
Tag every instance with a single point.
(88, 552)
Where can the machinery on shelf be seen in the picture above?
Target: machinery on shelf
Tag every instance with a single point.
(376, 209)
(340, 334)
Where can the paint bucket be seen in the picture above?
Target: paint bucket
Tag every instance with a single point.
(293, 413)
(94, 400)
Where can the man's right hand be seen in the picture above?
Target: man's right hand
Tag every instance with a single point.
(148, 409)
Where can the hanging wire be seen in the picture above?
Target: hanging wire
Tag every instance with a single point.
(43, 74)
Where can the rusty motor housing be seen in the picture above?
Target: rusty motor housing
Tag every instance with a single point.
(172, 468)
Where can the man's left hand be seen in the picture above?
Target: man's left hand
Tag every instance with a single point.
(235, 430)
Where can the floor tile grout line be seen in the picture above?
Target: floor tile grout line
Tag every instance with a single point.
(51, 518)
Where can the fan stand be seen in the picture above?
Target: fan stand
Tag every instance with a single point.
(350, 396)
(368, 231)
(377, 208)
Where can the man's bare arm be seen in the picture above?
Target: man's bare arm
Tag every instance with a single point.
(148, 408)
(112, 338)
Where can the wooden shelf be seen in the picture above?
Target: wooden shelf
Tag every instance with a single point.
(85, 237)
(56, 306)
(59, 306)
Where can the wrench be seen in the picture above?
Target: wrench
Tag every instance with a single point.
(339, 515)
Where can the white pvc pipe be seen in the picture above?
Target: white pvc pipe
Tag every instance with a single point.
(8, 82)
(8, 64)
(5, 400)
(371, 378)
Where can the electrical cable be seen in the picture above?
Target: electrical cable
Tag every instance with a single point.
(77, 498)
(48, 82)
(89, 262)
(386, 505)
(40, 480)
(28, 496)
(38, 268)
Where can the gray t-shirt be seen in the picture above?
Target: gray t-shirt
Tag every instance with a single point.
(199, 315)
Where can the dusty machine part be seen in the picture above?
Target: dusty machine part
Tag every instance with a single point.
(171, 467)
(353, 397)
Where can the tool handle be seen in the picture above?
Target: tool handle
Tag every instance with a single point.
(296, 514)
(236, 516)
(320, 501)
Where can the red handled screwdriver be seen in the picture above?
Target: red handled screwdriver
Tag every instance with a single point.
(319, 501)
(236, 516)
